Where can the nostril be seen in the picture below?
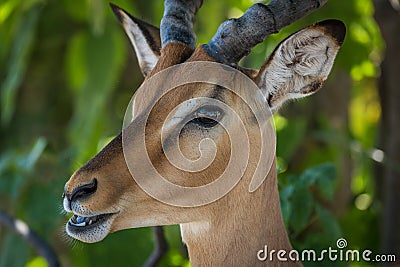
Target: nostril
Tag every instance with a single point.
(84, 190)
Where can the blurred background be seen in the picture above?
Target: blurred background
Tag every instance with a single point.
(67, 73)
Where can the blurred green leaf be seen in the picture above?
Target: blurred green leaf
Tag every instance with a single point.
(329, 223)
(286, 205)
(102, 58)
(97, 16)
(22, 43)
(6, 8)
(174, 258)
(131, 246)
(322, 171)
(14, 251)
(323, 176)
(37, 262)
(28, 161)
(15, 165)
(290, 138)
(302, 205)
(76, 69)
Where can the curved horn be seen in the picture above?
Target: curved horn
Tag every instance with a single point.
(235, 37)
(177, 22)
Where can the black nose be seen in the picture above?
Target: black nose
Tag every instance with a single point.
(82, 191)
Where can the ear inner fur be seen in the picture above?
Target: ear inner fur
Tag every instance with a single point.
(301, 63)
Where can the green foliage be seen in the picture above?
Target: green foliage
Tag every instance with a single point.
(290, 137)
(37, 262)
(9, 255)
(303, 199)
(18, 60)
(93, 67)
(131, 247)
(299, 196)
(16, 166)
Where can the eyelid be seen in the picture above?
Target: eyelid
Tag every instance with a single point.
(211, 111)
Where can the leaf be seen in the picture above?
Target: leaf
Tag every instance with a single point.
(129, 248)
(286, 206)
(37, 262)
(290, 137)
(22, 43)
(17, 181)
(174, 258)
(172, 234)
(6, 8)
(302, 205)
(97, 16)
(16, 166)
(14, 251)
(5, 160)
(103, 57)
(75, 67)
(323, 176)
(28, 161)
(329, 223)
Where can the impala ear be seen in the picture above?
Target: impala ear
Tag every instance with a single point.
(144, 37)
(301, 63)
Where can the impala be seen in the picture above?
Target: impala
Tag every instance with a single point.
(104, 197)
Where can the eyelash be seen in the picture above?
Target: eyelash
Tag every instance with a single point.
(205, 122)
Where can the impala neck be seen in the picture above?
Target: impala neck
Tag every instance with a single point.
(235, 235)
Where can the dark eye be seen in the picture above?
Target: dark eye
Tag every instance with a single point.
(207, 116)
(205, 122)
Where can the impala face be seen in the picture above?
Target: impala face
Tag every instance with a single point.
(104, 197)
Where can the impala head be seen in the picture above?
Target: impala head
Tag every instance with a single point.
(103, 195)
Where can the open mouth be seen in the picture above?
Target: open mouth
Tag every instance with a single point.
(90, 229)
(80, 221)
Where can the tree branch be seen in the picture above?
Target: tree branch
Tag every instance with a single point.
(160, 247)
(388, 176)
(40, 245)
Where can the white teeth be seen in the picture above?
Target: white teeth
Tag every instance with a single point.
(79, 224)
(79, 221)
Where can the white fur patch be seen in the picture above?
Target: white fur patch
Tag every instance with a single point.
(146, 57)
(194, 228)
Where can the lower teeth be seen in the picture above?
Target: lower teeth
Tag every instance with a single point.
(83, 221)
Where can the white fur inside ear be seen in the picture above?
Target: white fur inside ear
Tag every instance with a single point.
(299, 66)
(146, 56)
